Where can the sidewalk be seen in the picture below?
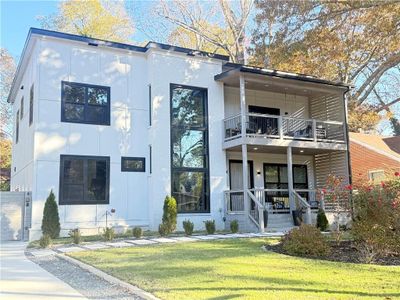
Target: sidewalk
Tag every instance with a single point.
(22, 279)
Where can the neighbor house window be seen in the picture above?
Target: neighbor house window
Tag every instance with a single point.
(85, 103)
(376, 176)
(17, 127)
(22, 108)
(31, 105)
(189, 149)
(133, 164)
(84, 179)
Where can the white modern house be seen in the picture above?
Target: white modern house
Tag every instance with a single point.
(109, 125)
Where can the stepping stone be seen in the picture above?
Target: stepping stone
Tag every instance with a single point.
(70, 249)
(41, 253)
(205, 237)
(95, 246)
(163, 240)
(184, 239)
(141, 242)
(119, 244)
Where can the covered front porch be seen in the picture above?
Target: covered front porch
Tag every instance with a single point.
(282, 184)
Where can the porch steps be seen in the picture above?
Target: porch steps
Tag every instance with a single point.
(279, 222)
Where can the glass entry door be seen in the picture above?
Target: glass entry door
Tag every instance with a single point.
(236, 183)
(276, 177)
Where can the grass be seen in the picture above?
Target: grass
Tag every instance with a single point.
(240, 269)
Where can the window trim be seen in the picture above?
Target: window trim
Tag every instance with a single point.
(17, 127)
(370, 172)
(22, 108)
(86, 104)
(205, 129)
(142, 159)
(63, 157)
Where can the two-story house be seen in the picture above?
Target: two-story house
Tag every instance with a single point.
(109, 125)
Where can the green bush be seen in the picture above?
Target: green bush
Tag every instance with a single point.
(108, 234)
(45, 241)
(162, 229)
(169, 215)
(188, 227)
(210, 226)
(322, 221)
(51, 220)
(137, 232)
(376, 224)
(307, 240)
(234, 226)
(76, 236)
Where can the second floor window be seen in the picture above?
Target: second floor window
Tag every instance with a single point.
(85, 103)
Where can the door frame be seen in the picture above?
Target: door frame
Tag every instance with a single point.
(250, 162)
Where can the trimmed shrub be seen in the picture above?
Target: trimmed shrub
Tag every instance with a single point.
(162, 229)
(51, 219)
(108, 233)
(307, 240)
(137, 232)
(45, 241)
(188, 227)
(210, 226)
(75, 234)
(234, 226)
(322, 220)
(169, 214)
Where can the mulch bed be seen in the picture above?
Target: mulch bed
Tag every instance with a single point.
(344, 252)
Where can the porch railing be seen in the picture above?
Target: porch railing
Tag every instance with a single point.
(302, 204)
(260, 125)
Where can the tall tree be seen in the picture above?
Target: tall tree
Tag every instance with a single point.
(7, 71)
(93, 18)
(356, 42)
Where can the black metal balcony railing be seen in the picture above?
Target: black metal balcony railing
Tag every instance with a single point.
(282, 127)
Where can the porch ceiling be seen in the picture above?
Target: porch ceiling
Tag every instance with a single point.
(280, 150)
(279, 82)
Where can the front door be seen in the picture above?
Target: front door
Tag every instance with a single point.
(275, 177)
(236, 183)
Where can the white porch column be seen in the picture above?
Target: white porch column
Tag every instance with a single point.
(290, 178)
(244, 145)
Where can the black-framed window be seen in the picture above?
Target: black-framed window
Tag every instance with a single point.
(85, 103)
(133, 164)
(84, 180)
(190, 184)
(17, 127)
(31, 94)
(22, 108)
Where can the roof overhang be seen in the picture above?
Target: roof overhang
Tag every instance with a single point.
(278, 81)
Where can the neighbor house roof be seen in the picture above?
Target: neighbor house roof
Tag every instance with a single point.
(389, 146)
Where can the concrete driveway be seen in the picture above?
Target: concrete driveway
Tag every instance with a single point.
(22, 279)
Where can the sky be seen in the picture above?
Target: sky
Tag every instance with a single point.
(17, 16)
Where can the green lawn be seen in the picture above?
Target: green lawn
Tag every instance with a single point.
(240, 269)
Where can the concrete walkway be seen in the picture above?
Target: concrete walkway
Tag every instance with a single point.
(22, 279)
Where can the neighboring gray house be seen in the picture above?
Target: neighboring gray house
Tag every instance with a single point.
(110, 125)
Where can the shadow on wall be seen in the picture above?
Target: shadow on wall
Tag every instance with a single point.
(9, 230)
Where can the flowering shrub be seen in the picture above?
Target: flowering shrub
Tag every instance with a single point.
(376, 226)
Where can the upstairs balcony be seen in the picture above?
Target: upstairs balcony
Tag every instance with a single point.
(260, 126)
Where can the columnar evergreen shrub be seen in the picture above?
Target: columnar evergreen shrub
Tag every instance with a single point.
(210, 226)
(188, 227)
(162, 229)
(234, 226)
(322, 221)
(76, 236)
(45, 241)
(108, 233)
(137, 232)
(169, 215)
(51, 219)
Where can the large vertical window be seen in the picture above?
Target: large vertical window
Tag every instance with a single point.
(31, 105)
(84, 179)
(84, 103)
(189, 149)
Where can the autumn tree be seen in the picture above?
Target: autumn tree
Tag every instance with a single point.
(7, 70)
(106, 20)
(356, 42)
